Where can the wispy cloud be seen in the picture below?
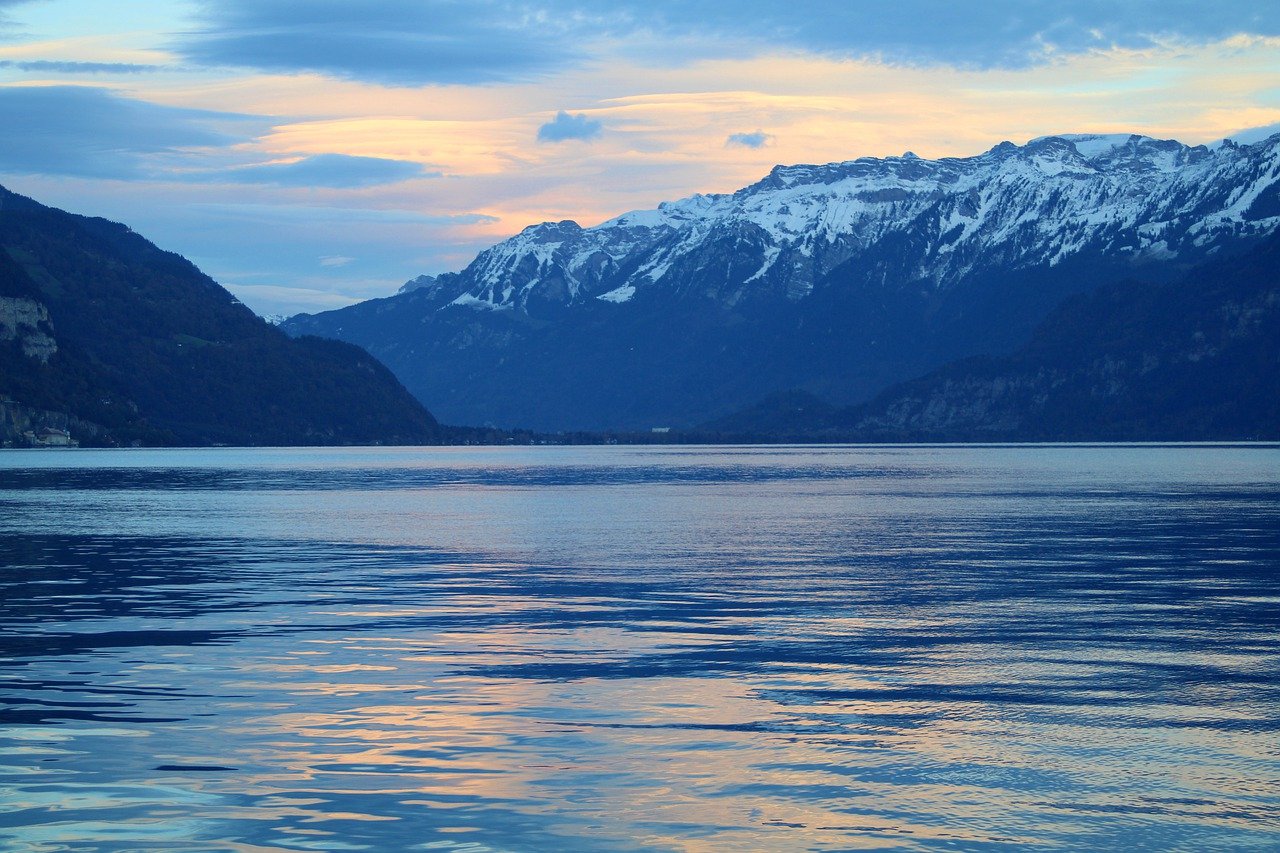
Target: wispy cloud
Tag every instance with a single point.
(5, 23)
(985, 34)
(422, 42)
(338, 171)
(291, 300)
(61, 67)
(305, 213)
(395, 42)
(86, 131)
(565, 127)
(1256, 134)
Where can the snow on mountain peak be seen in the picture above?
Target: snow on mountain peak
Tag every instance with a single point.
(1016, 206)
(1091, 145)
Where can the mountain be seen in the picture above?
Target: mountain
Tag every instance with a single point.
(836, 280)
(106, 335)
(1195, 359)
(786, 416)
(417, 283)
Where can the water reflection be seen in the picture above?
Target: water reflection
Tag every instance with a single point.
(826, 648)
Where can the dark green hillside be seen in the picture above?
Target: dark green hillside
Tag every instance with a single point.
(137, 344)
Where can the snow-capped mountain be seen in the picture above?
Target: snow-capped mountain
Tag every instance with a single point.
(1012, 206)
(837, 278)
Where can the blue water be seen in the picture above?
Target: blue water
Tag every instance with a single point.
(699, 649)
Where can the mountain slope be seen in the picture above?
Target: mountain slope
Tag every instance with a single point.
(1196, 359)
(101, 329)
(838, 280)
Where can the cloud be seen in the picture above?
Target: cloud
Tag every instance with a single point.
(91, 132)
(335, 260)
(395, 42)
(755, 139)
(8, 29)
(565, 127)
(305, 213)
(1256, 134)
(86, 131)
(288, 301)
(58, 67)
(336, 171)
(986, 34)
(425, 42)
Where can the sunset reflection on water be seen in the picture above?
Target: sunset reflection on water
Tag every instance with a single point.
(619, 649)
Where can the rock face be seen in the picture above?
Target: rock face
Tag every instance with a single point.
(27, 322)
(107, 337)
(21, 426)
(838, 279)
(418, 283)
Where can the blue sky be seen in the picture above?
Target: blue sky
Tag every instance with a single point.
(310, 153)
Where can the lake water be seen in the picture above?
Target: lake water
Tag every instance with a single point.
(701, 649)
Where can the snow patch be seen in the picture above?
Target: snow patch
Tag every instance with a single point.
(619, 294)
(1093, 145)
(466, 300)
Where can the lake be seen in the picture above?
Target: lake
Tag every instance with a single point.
(658, 648)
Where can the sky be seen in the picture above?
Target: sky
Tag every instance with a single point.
(309, 154)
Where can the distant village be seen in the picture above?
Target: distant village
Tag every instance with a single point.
(43, 437)
(24, 427)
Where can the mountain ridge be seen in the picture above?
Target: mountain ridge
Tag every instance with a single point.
(884, 179)
(103, 332)
(1196, 359)
(839, 279)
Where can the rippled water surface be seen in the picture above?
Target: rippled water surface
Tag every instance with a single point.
(569, 649)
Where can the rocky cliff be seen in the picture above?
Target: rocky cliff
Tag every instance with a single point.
(26, 322)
